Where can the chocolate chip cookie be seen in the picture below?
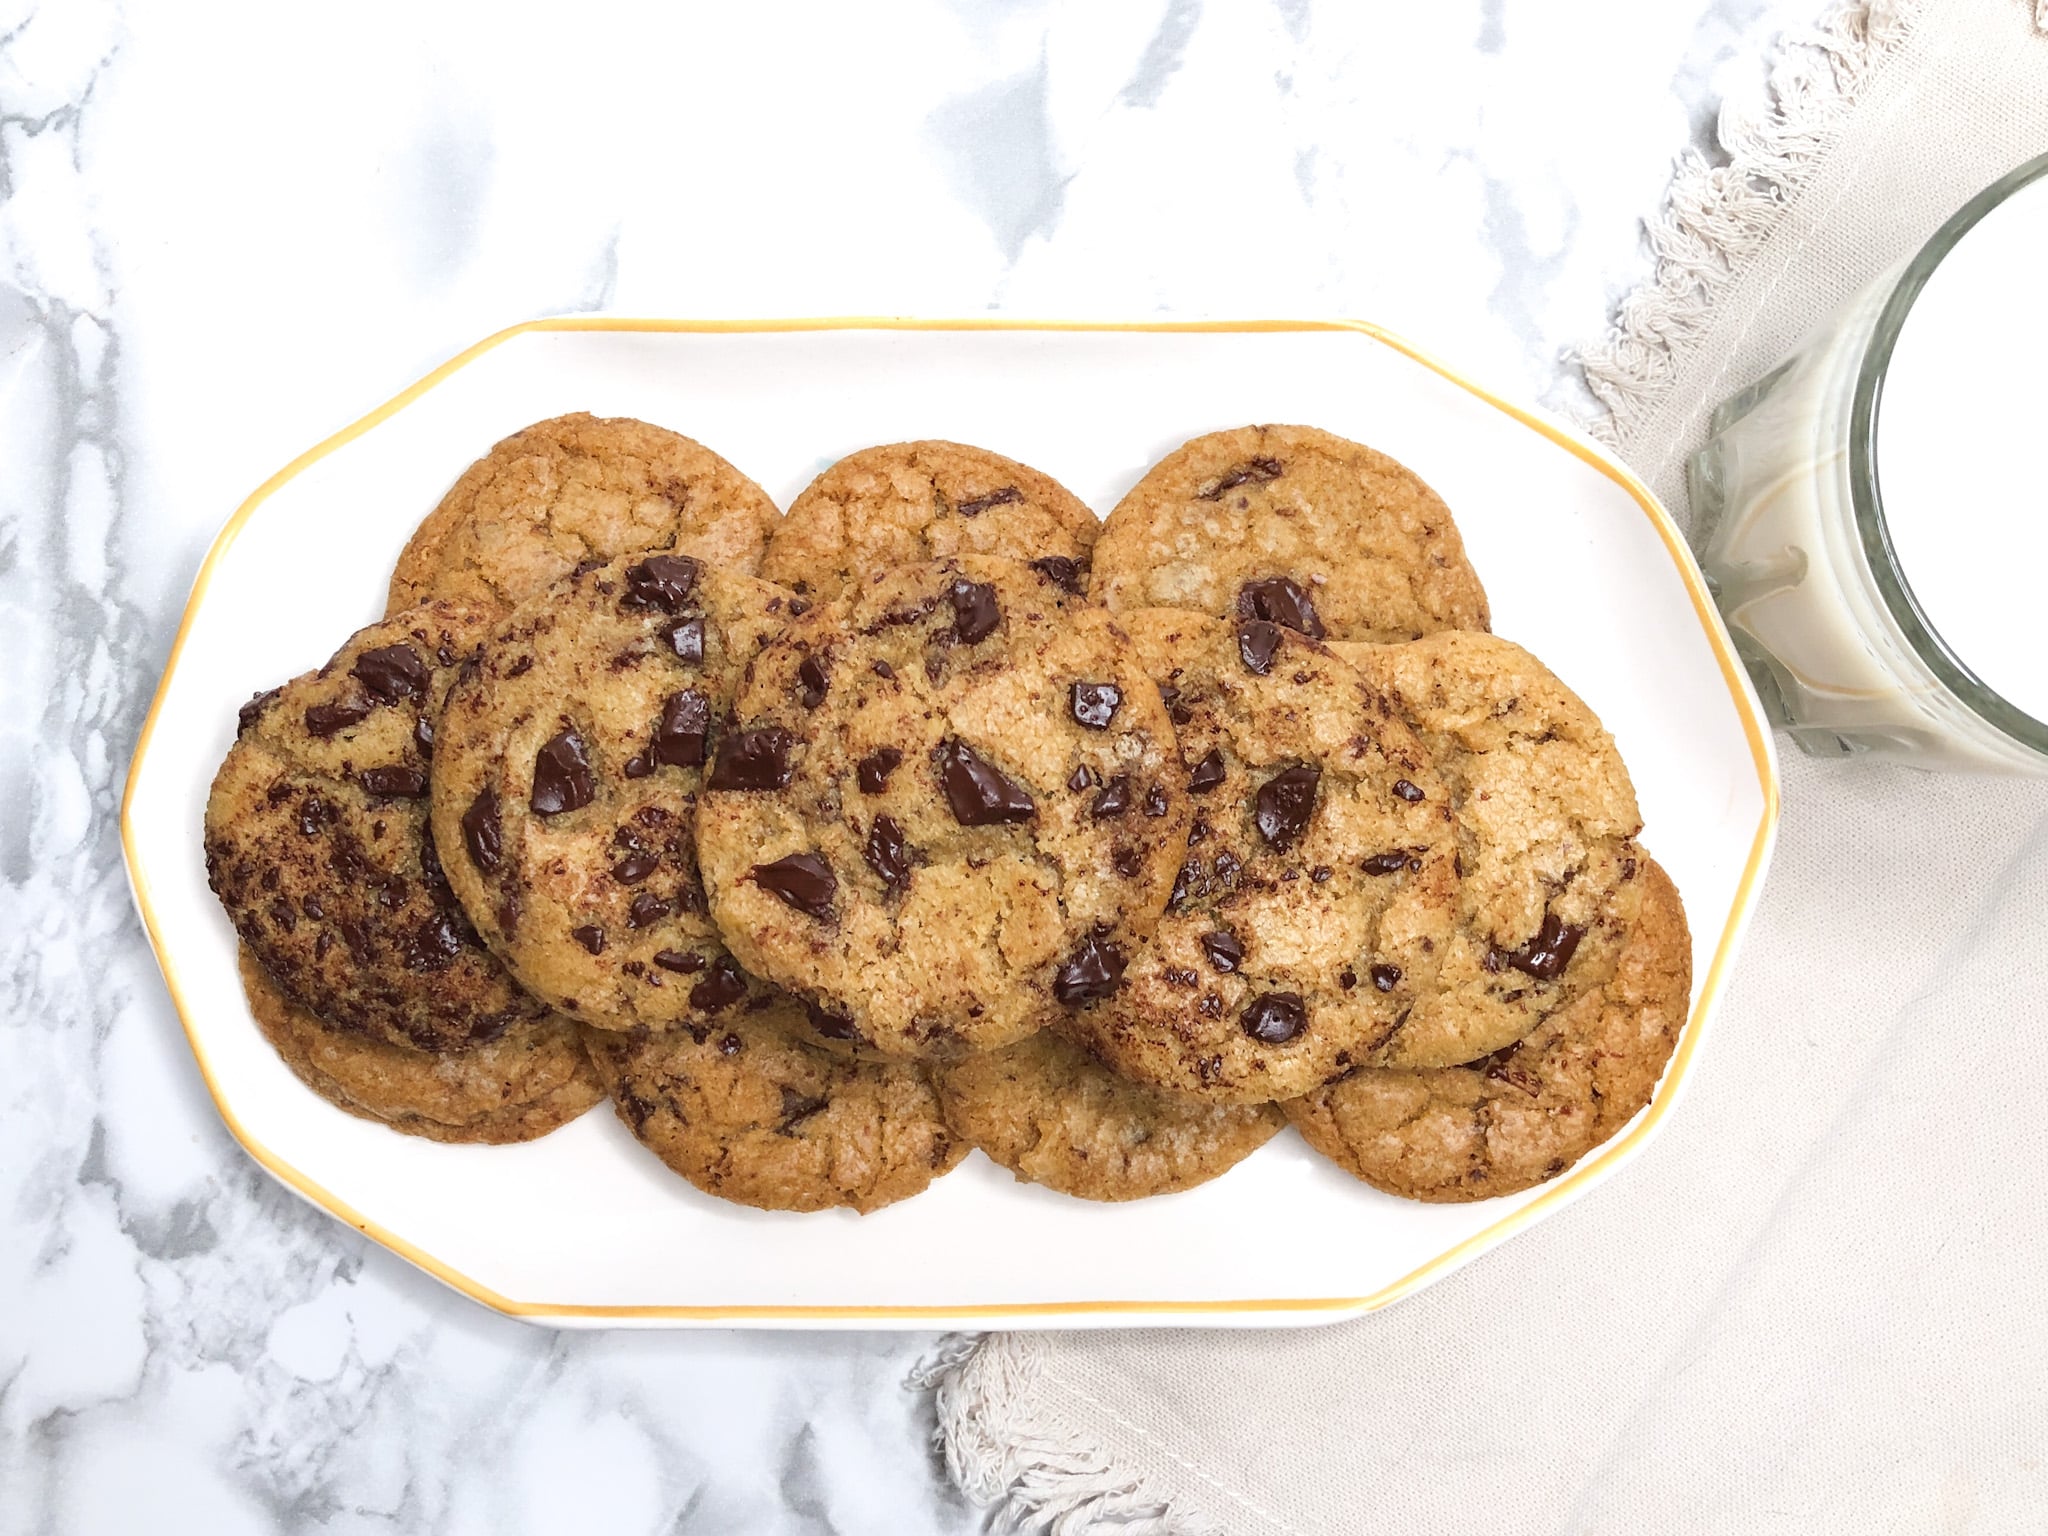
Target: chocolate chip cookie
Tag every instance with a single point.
(751, 1115)
(888, 506)
(948, 808)
(318, 844)
(524, 1083)
(1546, 819)
(1052, 1114)
(1293, 526)
(566, 779)
(1319, 867)
(578, 488)
(1528, 1112)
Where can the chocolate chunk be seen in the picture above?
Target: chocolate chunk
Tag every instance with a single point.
(1080, 779)
(723, 985)
(1250, 472)
(1095, 704)
(480, 832)
(1127, 862)
(981, 504)
(756, 759)
(832, 1026)
(682, 961)
(1545, 956)
(562, 780)
(423, 736)
(520, 667)
(1061, 572)
(1258, 642)
(393, 783)
(326, 719)
(1224, 949)
(888, 855)
(1094, 970)
(252, 711)
(639, 765)
(661, 581)
(796, 1109)
(1321, 874)
(975, 614)
(1386, 977)
(590, 936)
(1392, 862)
(883, 670)
(1284, 804)
(434, 945)
(1187, 881)
(1181, 976)
(1278, 600)
(391, 673)
(1207, 774)
(635, 867)
(798, 607)
(802, 880)
(686, 639)
(1347, 979)
(1407, 791)
(979, 793)
(1274, 1018)
(647, 907)
(680, 732)
(1155, 802)
(1114, 800)
(873, 770)
(811, 682)
(1176, 711)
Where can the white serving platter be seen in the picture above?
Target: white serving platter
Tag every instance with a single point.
(584, 1228)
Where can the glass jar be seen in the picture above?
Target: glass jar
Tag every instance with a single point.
(1905, 628)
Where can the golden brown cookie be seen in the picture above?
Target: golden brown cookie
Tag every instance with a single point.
(1546, 819)
(577, 488)
(1052, 1114)
(566, 778)
(949, 807)
(1292, 525)
(528, 1081)
(1319, 868)
(751, 1115)
(318, 845)
(1529, 1112)
(891, 505)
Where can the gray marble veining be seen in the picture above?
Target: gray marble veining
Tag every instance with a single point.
(225, 230)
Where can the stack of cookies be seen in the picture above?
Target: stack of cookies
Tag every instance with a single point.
(938, 815)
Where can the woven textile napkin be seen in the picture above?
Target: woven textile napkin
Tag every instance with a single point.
(1819, 1301)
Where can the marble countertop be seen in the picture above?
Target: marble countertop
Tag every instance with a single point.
(230, 228)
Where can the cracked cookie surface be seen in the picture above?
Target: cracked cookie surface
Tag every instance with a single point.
(888, 506)
(1528, 1112)
(318, 843)
(751, 1115)
(949, 807)
(1294, 525)
(576, 488)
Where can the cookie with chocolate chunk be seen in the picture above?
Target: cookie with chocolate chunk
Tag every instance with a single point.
(1528, 1112)
(750, 1115)
(1545, 820)
(524, 1083)
(318, 843)
(1294, 526)
(1052, 1114)
(902, 502)
(566, 777)
(948, 808)
(573, 489)
(1319, 870)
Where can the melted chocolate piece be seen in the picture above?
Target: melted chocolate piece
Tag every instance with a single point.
(1278, 600)
(682, 961)
(1080, 779)
(391, 673)
(833, 1026)
(1274, 1018)
(1224, 949)
(562, 780)
(680, 733)
(1114, 799)
(803, 881)
(723, 985)
(1176, 711)
(1284, 803)
(1061, 572)
(1207, 774)
(1094, 970)
(796, 1109)
(393, 783)
(1095, 704)
(1545, 956)
(873, 771)
(1392, 862)
(979, 793)
(975, 614)
(423, 736)
(1258, 642)
(1385, 977)
(1250, 472)
(981, 504)
(1408, 791)
(590, 936)
(1155, 802)
(480, 834)
(884, 671)
(434, 945)
(638, 766)
(1127, 862)
(811, 682)
(687, 640)
(325, 719)
(661, 581)
(647, 908)
(252, 711)
(635, 867)
(888, 855)
(756, 759)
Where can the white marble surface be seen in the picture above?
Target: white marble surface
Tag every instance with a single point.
(226, 230)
